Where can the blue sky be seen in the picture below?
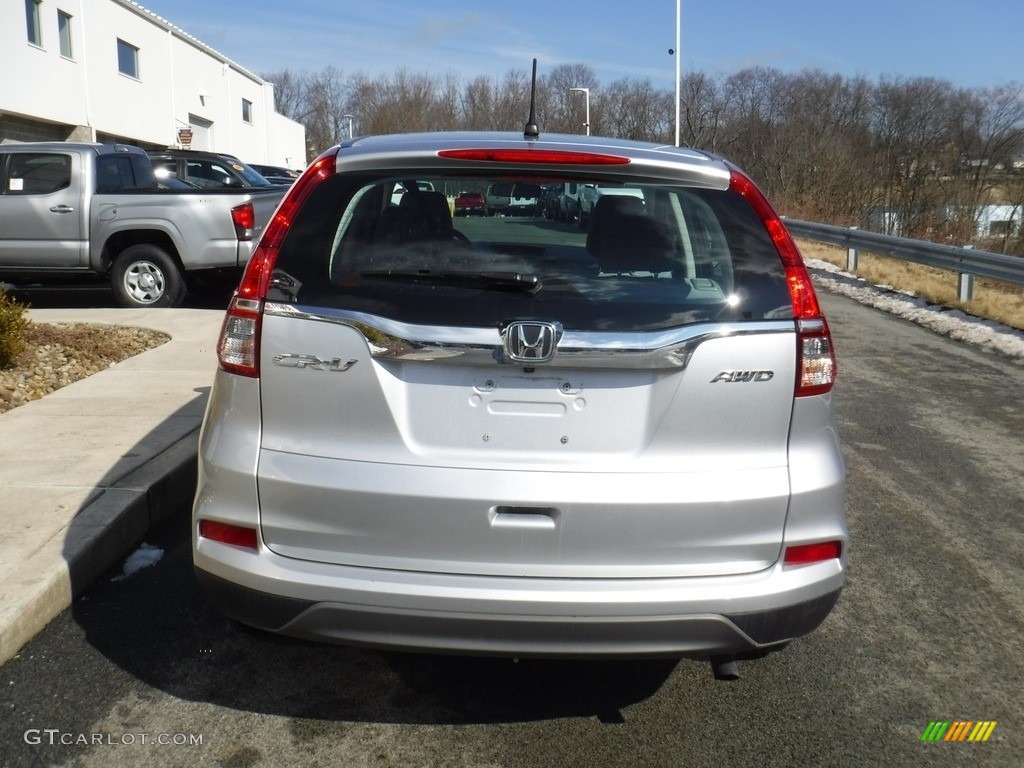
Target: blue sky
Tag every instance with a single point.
(972, 44)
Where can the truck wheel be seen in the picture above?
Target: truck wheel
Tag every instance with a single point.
(145, 276)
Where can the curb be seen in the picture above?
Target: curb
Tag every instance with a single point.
(107, 528)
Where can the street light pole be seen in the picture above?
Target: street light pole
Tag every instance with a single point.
(350, 118)
(585, 92)
(679, 60)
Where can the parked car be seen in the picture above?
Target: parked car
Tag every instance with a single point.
(276, 174)
(470, 204)
(496, 436)
(70, 210)
(505, 198)
(568, 208)
(207, 170)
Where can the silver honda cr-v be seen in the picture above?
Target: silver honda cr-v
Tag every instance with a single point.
(517, 436)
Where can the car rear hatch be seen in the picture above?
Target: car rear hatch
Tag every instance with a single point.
(539, 402)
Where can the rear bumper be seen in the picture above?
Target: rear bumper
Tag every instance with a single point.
(530, 618)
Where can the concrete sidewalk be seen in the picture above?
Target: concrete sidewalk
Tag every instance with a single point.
(86, 471)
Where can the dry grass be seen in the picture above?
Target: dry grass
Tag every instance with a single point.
(994, 300)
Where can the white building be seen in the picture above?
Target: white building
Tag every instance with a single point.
(999, 220)
(100, 70)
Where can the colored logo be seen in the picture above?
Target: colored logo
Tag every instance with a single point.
(958, 730)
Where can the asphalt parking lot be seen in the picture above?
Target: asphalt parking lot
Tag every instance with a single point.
(928, 629)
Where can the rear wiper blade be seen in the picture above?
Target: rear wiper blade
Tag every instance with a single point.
(494, 281)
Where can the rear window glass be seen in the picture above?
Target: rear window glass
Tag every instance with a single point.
(650, 257)
(252, 177)
(123, 172)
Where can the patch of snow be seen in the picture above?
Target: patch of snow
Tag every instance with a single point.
(953, 323)
(145, 556)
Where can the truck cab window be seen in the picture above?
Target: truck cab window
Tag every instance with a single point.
(37, 174)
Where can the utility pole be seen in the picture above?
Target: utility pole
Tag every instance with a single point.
(585, 92)
(679, 60)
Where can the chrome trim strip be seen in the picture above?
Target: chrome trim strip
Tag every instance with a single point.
(392, 340)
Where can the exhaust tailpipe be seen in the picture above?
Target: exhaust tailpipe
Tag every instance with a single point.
(725, 668)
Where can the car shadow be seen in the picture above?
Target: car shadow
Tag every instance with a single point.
(158, 627)
(97, 294)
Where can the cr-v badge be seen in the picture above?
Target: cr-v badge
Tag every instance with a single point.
(314, 362)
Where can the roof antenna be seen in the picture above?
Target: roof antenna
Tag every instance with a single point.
(531, 131)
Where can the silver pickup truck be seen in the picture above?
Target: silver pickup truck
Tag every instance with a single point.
(70, 209)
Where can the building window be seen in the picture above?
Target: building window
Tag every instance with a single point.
(64, 32)
(127, 59)
(246, 110)
(35, 32)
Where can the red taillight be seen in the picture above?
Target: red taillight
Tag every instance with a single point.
(816, 361)
(805, 554)
(225, 533)
(238, 346)
(533, 156)
(244, 218)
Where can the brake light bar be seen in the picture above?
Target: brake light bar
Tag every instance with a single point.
(533, 156)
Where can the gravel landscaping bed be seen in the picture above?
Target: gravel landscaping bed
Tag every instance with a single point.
(59, 354)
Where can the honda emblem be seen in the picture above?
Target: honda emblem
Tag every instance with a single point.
(530, 342)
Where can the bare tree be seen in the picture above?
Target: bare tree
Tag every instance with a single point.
(915, 157)
(562, 110)
(328, 100)
(911, 127)
(479, 105)
(826, 169)
(988, 134)
(289, 93)
(634, 109)
(512, 106)
(752, 114)
(702, 111)
(448, 115)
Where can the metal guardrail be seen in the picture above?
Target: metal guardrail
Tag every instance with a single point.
(966, 261)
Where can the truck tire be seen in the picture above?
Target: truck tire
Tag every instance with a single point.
(145, 276)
